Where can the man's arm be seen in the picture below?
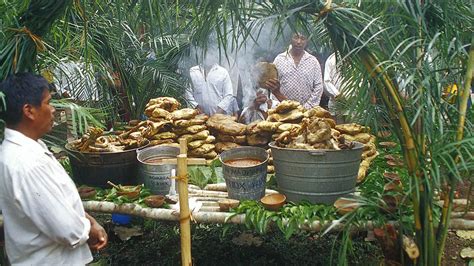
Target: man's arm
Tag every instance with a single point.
(97, 236)
(225, 104)
(43, 202)
(189, 93)
(330, 86)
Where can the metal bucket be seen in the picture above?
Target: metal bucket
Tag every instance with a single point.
(245, 182)
(318, 176)
(156, 175)
(95, 169)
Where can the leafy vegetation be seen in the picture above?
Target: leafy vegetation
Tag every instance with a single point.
(399, 58)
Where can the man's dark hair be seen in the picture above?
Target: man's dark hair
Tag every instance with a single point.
(21, 89)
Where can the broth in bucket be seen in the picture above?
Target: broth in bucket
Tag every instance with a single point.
(245, 172)
(243, 162)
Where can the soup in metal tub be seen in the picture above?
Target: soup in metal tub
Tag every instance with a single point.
(156, 160)
(243, 162)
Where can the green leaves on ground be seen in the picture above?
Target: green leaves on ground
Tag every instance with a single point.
(288, 219)
(203, 175)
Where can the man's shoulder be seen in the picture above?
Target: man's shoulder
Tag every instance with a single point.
(194, 68)
(16, 156)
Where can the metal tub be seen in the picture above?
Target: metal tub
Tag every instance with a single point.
(156, 176)
(95, 169)
(318, 176)
(245, 182)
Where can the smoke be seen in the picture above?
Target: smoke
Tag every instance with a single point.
(240, 56)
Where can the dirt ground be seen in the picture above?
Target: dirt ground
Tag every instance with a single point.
(454, 245)
(158, 244)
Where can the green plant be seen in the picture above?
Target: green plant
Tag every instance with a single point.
(203, 175)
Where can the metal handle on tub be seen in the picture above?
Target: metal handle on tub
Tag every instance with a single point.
(95, 158)
(317, 153)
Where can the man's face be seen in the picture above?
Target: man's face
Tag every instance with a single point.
(44, 114)
(299, 42)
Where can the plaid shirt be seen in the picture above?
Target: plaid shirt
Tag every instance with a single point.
(302, 83)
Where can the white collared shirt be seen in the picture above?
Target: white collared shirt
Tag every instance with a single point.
(211, 91)
(302, 82)
(332, 81)
(44, 220)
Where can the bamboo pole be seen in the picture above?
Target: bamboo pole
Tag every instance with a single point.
(226, 217)
(463, 97)
(184, 214)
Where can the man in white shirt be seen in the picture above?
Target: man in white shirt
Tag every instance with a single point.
(211, 89)
(44, 220)
(299, 75)
(332, 82)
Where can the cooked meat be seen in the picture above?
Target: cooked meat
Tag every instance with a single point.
(317, 111)
(252, 127)
(161, 141)
(186, 113)
(351, 129)
(242, 139)
(226, 125)
(257, 140)
(224, 146)
(165, 135)
(286, 106)
(195, 144)
(188, 123)
(200, 135)
(167, 103)
(196, 128)
(286, 117)
(268, 126)
(287, 127)
(160, 113)
(362, 137)
(203, 149)
(265, 72)
(318, 131)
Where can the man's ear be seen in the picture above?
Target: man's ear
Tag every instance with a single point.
(29, 111)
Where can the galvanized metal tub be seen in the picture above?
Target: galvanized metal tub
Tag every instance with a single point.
(318, 176)
(156, 175)
(95, 169)
(245, 182)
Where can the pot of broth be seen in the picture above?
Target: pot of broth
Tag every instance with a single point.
(153, 172)
(245, 172)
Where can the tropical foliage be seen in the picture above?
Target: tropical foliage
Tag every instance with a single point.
(399, 60)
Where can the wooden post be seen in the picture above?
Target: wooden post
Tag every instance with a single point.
(184, 214)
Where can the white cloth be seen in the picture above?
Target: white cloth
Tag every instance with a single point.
(211, 91)
(44, 220)
(73, 78)
(249, 115)
(302, 82)
(332, 81)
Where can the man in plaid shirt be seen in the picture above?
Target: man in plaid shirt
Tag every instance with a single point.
(299, 75)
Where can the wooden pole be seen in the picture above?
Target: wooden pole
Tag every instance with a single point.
(184, 214)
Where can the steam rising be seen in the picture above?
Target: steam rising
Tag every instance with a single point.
(240, 62)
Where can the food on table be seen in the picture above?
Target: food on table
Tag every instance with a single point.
(293, 115)
(186, 113)
(317, 111)
(224, 146)
(224, 124)
(268, 126)
(237, 139)
(286, 105)
(167, 103)
(351, 129)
